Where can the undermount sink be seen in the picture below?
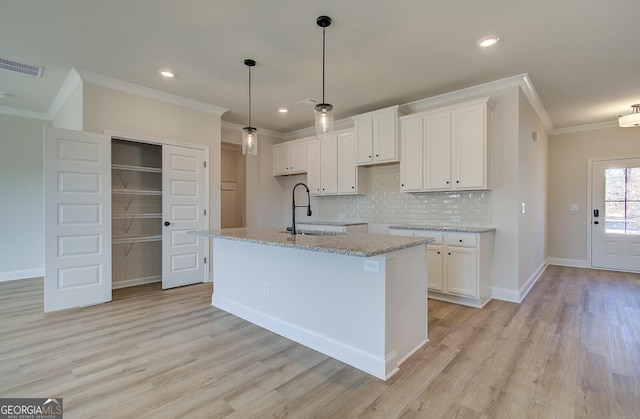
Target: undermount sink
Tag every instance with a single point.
(316, 233)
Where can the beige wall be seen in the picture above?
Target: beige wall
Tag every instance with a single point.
(70, 114)
(568, 157)
(107, 109)
(533, 183)
(264, 191)
(21, 198)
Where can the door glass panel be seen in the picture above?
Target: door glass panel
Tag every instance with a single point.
(622, 200)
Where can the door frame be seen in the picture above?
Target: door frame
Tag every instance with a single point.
(590, 162)
(163, 141)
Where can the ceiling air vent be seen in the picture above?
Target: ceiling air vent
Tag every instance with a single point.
(31, 70)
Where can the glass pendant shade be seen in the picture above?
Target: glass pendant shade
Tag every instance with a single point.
(631, 120)
(324, 120)
(249, 141)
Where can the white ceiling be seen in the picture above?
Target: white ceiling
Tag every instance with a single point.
(583, 56)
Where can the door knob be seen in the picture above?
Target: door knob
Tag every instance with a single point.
(167, 223)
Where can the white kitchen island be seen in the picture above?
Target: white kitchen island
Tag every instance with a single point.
(360, 298)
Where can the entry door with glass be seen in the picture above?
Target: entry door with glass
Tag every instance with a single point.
(615, 214)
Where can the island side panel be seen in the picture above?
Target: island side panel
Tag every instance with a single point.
(326, 301)
(406, 300)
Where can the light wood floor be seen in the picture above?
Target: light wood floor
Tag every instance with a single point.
(570, 350)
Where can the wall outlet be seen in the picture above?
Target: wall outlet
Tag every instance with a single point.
(371, 265)
(266, 288)
(455, 218)
(342, 216)
(574, 207)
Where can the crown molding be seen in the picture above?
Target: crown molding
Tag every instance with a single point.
(532, 95)
(342, 124)
(262, 131)
(135, 89)
(23, 113)
(586, 127)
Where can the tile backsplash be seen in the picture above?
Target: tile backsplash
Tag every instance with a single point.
(384, 203)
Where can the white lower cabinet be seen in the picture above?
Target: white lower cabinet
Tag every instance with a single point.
(458, 265)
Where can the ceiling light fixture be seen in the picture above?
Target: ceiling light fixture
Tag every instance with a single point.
(631, 120)
(167, 74)
(249, 133)
(283, 110)
(488, 41)
(323, 111)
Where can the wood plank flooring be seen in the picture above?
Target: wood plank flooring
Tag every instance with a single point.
(570, 350)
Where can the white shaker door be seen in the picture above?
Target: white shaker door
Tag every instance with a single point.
(183, 210)
(77, 219)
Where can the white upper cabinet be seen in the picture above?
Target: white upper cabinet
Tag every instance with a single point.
(289, 158)
(446, 149)
(351, 179)
(329, 165)
(411, 154)
(376, 136)
(313, 167)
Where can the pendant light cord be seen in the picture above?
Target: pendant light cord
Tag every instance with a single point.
(249, 96)
(323, 42)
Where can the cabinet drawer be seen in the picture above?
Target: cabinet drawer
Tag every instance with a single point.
(436, 235)
(461, 239)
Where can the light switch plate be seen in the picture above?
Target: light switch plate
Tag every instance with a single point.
(371, 265)
(574, 207)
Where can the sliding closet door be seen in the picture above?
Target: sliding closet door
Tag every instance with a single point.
(77, 219)
(183, 209)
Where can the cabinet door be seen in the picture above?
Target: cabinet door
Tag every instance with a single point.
(469, 147)
(385, 137)
(281, 159)
(347, 170)
(462, 271)
(298, 157)
(434, 267)
(363, 128)
(329, 165)
(412, 156)
(438, 151)
(313, 167)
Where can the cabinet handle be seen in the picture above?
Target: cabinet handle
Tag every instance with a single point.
(402, 185)
(377, 155)
(460, 240)
(449, 253)
(353, 187)
(438, 252)
(447, 182)
(457, 181)
(369, 156)
(167, 223)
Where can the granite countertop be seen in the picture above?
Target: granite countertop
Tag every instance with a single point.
(331, 223)
(349, 244)
(456, 229)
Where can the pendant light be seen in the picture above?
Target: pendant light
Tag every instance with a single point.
(249, 133)
(323, 111)
(631, 120)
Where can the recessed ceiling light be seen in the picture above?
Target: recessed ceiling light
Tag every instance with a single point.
(167, 74)
(283, 110)
(488, 41)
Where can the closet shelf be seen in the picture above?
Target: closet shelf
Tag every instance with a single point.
(119, 240)
(128, 216)
(136, 168)
(135, 192)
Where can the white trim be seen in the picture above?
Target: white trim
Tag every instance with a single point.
(572, 263)
(153, 140)
(69, 86)
(587, 127)
(342, 124)
(136, 281)
(135, 89)
(261, 131)
(530, 92)
(21, 274)
(23, 113)
(506, 294)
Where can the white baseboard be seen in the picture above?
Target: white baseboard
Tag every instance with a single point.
(136, 281)
(22, 274)
(507, 294)
(573, 263)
